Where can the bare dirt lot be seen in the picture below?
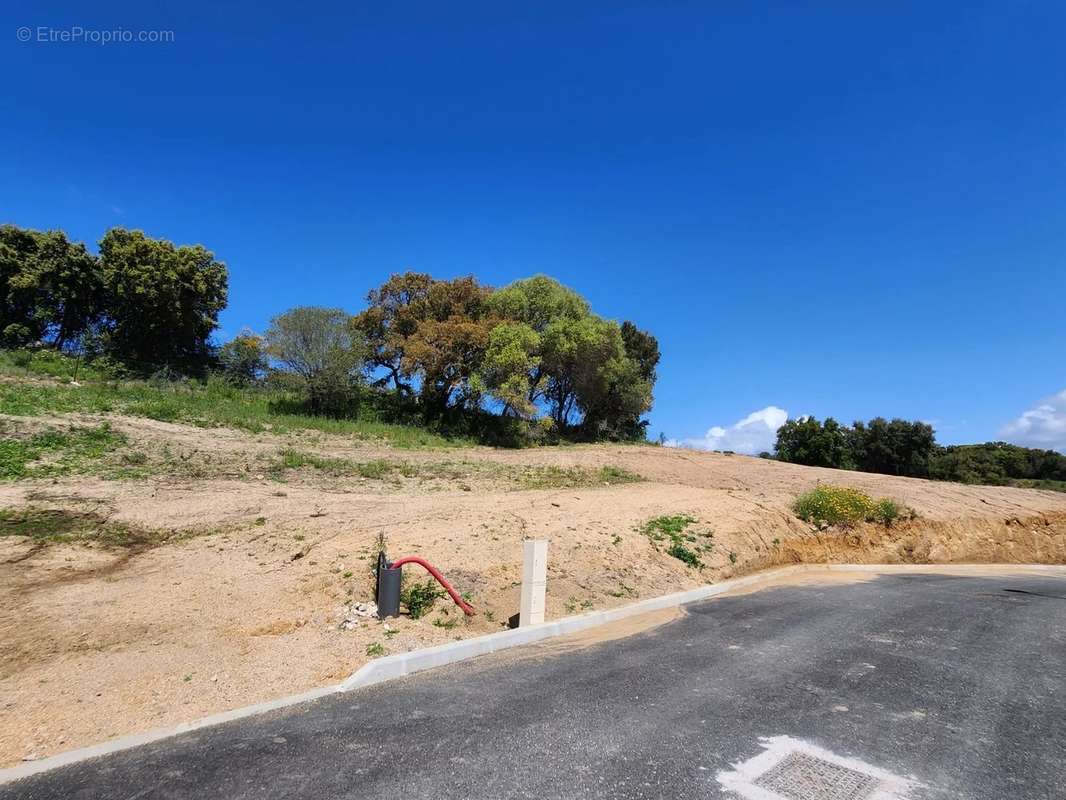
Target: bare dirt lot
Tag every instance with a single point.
(237, 567)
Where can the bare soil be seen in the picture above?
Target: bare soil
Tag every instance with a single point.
(247, 603)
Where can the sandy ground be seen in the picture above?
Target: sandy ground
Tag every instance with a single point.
(100, 643)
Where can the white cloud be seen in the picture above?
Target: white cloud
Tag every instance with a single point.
(1043, 426)
(753, 434)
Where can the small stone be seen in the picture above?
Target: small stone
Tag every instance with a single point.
(365, 609)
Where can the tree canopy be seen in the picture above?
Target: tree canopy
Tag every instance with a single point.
(551, 350)
(50, 288)
(815, 444)
(315, 345)
(532, 347)
(162, 301)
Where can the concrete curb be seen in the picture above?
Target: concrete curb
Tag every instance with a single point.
(397, 666)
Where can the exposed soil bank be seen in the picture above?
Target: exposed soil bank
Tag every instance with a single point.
(243, 573)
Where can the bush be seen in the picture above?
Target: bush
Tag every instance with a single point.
(682, 553)
(886, 511)
(420, 597)
(843, 505)
(834, 505)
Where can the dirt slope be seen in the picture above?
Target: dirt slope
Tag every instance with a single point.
(99, 642)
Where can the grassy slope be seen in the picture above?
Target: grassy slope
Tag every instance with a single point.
(214, 403)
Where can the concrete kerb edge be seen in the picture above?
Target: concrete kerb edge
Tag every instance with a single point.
(397, 666)
(147, 737)
(402, 664)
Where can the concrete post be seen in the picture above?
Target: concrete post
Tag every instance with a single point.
(534, 581)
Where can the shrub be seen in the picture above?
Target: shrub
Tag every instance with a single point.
(886, 511)
(682, 553)
(843, 505)
(834, 505)
(420, 597)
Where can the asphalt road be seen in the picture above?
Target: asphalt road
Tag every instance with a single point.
(957, 682)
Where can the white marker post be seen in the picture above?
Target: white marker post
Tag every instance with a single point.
(534, 581)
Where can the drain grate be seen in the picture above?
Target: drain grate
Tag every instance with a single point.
(799, 776)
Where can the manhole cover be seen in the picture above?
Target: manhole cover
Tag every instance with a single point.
(799, 776)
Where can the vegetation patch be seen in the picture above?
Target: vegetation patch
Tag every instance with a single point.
(900, 447)
(420, 597)
(211, 403)
(1049, 485)
(552, 477)
(675, 535)
(53, 526)
(296, 459)
(375, 469)
(533, 477)
(56, 452)
(842, 505)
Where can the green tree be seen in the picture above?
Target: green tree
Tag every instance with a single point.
(555, 324)
(578, 357)
(566, 359)
(628, 395)
(243, 359)
(810, 442)
(315, 344)
(898, 447)
(162, 301)
(50, 288)
(512, 355)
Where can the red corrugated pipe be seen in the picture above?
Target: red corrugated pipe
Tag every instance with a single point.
(467, 609)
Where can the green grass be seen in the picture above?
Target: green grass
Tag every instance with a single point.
(552, 477)
(49, 363)
(680, 542)
(376, 469)
(295, 459)
(534, 477)
(48, 526)
(213, 403)
(55, 452)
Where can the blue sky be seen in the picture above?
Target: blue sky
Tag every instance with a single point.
(834, 210)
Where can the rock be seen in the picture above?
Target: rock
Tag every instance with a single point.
(365, 609)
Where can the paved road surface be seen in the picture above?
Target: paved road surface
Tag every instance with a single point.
(956, 682)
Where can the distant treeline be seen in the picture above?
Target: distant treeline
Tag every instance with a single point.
(901, 447)
(526, 362)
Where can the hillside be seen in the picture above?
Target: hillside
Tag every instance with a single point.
(153, 572)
